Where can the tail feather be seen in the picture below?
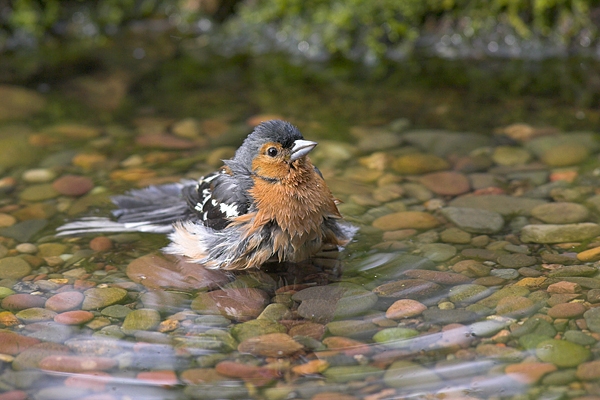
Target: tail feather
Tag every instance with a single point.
(105, 225)
(153, 209)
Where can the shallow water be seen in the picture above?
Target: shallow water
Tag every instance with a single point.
(474, 274)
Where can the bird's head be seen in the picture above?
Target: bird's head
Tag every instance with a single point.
(274, 150)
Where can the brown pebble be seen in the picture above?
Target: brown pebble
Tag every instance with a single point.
(529, 373)
(13, 343)
(77, 317)
(64, 301)
(101, 243)
(22, 301)
(567, 310)
(162, 377)
(64, 363)
(564, 287)
(405, 308)
(73, 185)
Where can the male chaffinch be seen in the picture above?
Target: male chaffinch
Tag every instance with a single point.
(267, 203)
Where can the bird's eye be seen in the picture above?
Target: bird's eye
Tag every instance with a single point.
(272, 151)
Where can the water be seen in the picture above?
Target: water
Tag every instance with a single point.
(450, 169)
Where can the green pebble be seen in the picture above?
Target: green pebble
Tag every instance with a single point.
(562, 353)
(395, 337)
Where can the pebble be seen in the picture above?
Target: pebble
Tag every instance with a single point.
(39, 192)
(467, 293)
(515, 306)
(508, 155)
(35, 314)
(588, 371)
(446, 183)
(14, 268)
(553, 233)
(405, 308)
(144, 319)
(7, 220)
(14, 343)
(562, 353)
(27, 248)
(395, 337)
(270, 345)
(502, 204)
(419, 163)
(38, 175)
(64, 301)
(22, 301)
(77, 317)
(565, 154)
(406, 220)
(96, 298)
(101, 243)
(239, 304)
(441, 277)
(592, 319)
(408, 288)
(590, 255)
(409, 375)
(342, 374)
(474, 220)
(455, 236)
(76, 364)
(516, 260)
(73, 185)
(529, 372)
(561, 213)
(438, 252)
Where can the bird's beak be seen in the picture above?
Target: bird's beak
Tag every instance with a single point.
(301, 148)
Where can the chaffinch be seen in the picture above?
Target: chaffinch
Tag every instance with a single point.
(268, 203)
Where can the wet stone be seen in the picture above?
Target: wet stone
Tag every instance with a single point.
(14, 268)
(140, 320)
(441, 277)
(562, 353)
(456, 236)
(77, 317)
(24, 231)
(592, 319)
(561, 213)
(341, 374)
(406, 220)
(516, 260)
(352, 328)
(116, 311)
(515, 306)
(589, 371)
(239, 304)
(508, 155)
(573, 270)
(566, 154)
(579, 337)
(492, 300)
(408, 288)
(405, 308)
(64, 301)
(474, 220)
(559, 233)
(22, 301)
(446, 183)
(406, 374)
(72, 185)
(467, 293)
(76, 364)
(395, 337)
(324, 303)
(438, 252)
(256, 327)
(96, 298)
(14, 343)
(443, 317)
(419, 163)
(35, 314)
(502, 204)
(270, 345)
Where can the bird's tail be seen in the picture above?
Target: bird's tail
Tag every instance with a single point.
(153, 209)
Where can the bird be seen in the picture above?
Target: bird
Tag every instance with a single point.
(267, 203)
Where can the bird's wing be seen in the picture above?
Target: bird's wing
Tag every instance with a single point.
(217, 198)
